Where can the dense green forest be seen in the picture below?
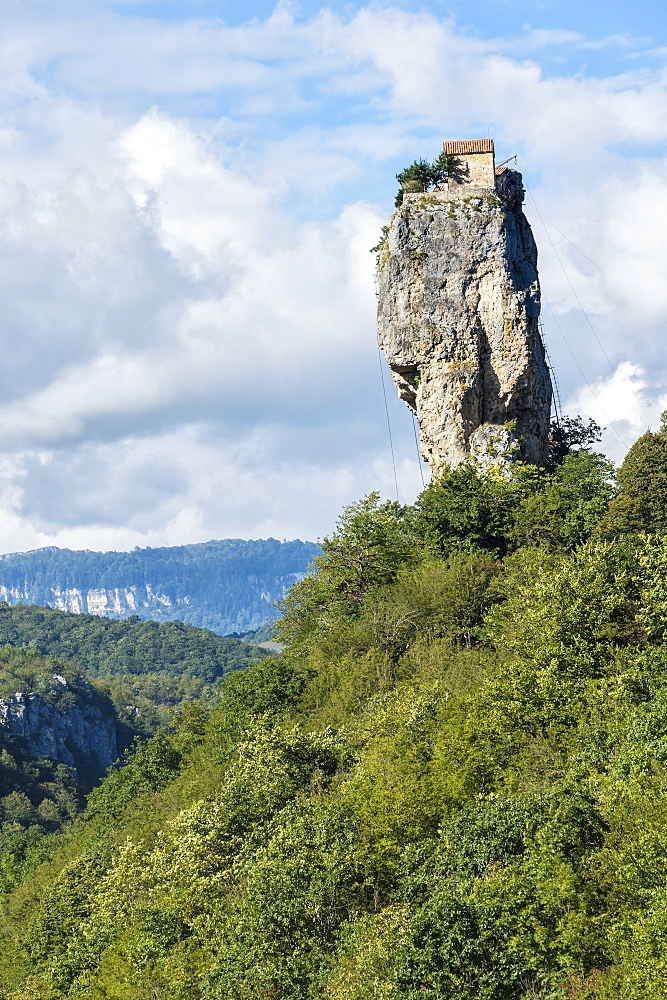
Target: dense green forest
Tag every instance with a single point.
(451, 785)
(135, 672)
(226, 586)
(103, 647)
(37, 794)
(144, 668)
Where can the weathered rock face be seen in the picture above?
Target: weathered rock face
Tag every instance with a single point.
(78, 734)
(458, 310)
(99, 601)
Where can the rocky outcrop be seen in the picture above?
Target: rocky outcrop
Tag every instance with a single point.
(76, 731)
(98, 601)
(458, 309)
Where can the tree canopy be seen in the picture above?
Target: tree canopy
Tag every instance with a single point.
(450, 785)
(421, 175)
(641, 501)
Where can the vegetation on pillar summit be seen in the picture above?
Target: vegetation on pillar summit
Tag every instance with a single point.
(450, 786)
(421, 175)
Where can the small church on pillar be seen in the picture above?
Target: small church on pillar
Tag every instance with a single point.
(473, 163)
(472, 172)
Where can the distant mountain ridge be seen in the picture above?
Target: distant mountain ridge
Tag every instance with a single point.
(227, 585)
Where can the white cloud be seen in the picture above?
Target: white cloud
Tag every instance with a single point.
(620, 404)
(185, 217)
(185, 484)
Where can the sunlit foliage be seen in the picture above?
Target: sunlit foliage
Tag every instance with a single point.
(451, 785)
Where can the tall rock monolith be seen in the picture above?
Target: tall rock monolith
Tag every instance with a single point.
(458, 311)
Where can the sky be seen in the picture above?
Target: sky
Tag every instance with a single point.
(189, 192)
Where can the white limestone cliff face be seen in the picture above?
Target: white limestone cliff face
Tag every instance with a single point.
(458, 309)
(120, 601)
(74, 732)
(109, 601)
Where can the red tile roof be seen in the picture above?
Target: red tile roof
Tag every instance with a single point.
(469, 146)
(501, 170)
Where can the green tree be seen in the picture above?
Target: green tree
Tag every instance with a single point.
(569, 613)
(563, 508)
(372, 541)
(569, 434)
(641, 501)
(436, 598)
(466, 508)
(421, 174)
(416, 177)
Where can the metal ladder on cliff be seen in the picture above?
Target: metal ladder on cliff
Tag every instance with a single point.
(558, 407)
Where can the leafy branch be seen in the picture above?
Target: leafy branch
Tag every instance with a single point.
(421, 175)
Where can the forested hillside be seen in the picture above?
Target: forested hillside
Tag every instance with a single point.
(452, 785)
(89, 671)
(226, 586)
(145, 668)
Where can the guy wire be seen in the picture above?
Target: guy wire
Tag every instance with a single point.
(419, 457)
(585, 315)
(558, 406)
(386, 410)
(586, 382)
